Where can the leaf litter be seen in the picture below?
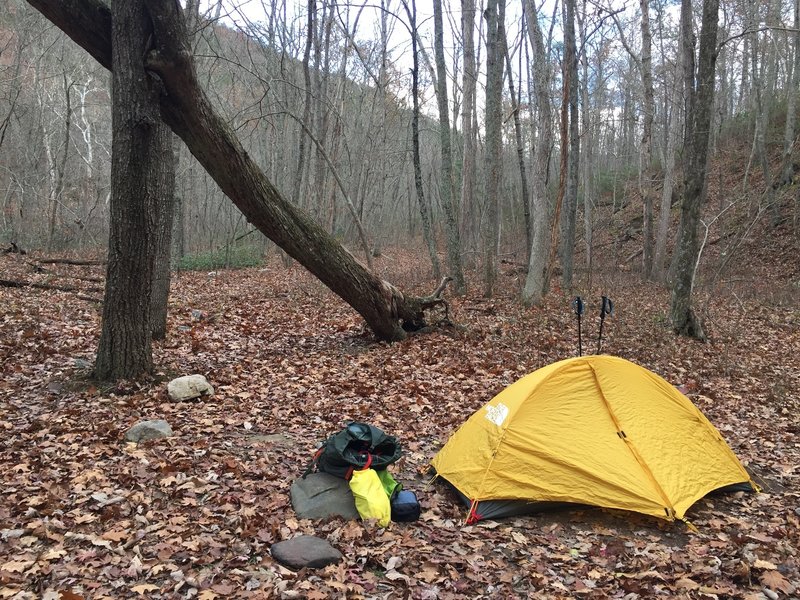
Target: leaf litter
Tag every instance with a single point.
(83, 515)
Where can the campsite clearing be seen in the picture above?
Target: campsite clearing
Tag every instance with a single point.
(289, 364)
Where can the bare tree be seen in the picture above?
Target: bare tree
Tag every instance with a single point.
(787, 167)
(454, 264)
(671, 121)
(646, 149)
(570, 201)
(495, 40)
(468, 130)
(536, 280)
(523, 170)
(139, 181)
(186, 108)
(422, 203)
(701, 99)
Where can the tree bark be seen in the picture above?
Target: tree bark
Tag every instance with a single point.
(787, 166)
(162, 268)
(536, 280)
(495, 38)
(470, 80)
(446, 183)
(587, 158)
(139, 181)
(646, 151)
(297, 185)
(684, 320)
(570, 204)
(424, 206)
(523, 174)
(186, 109)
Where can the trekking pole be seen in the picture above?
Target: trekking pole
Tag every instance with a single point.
(606, 308)
(577, 306)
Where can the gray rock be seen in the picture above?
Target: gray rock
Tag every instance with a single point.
(305, 551)
(82, 363)
(322, 495)
(148, 430)
(189, 387)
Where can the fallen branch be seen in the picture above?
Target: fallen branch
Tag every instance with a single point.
(634, 255)
(71, 261)
(40, 269)
(14, 249)
(440, 288)
(45, 286)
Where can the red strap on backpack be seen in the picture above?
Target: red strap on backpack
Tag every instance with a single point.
(349, 473)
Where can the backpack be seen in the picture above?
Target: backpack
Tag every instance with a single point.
(358, 446)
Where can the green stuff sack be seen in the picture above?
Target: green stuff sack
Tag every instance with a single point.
(390, 486)
(371, 499)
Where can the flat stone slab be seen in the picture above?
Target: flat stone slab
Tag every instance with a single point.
(189, 387)
(148, 430)
(305, 551)
(322, 495)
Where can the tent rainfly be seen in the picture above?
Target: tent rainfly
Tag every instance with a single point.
(596, 430)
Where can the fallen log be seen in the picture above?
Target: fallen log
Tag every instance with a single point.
(71, 261)
(14, 249)
(11, 283)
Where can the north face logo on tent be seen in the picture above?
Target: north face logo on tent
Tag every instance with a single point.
(497, 413)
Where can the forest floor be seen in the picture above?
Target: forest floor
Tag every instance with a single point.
(83, 515)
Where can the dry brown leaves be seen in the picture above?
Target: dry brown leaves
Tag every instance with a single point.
(84, 516)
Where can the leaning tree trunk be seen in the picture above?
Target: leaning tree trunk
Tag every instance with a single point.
(187, 110)
(140, 145)
(683, 318)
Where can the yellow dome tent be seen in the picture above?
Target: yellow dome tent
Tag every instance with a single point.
(596, 430)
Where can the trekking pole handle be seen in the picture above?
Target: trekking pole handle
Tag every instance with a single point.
(578, 306)
(606, 307)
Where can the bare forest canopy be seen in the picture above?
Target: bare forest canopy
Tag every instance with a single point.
(55, 119)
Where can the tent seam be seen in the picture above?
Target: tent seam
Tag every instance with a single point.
(632, 447)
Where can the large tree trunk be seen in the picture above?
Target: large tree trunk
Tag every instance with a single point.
(536, 281)
(446, 184)
(495, 39)
(187, 110)
(682, 317)
(162, 269)
(139, 178)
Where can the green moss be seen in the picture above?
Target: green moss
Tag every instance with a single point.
(231, 258)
